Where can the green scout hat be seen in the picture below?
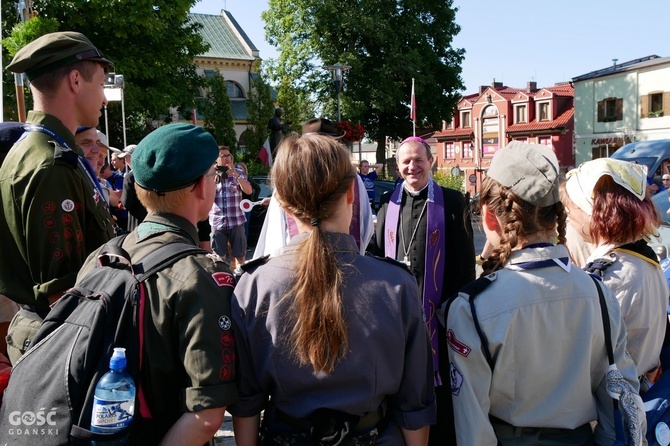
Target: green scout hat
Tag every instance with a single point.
(173, 156)
(52, 51)
(529, 170)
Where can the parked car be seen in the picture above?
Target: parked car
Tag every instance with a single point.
(650, 153)
(383, 191)
(662, 244)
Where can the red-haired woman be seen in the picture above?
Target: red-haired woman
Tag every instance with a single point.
(607, 206)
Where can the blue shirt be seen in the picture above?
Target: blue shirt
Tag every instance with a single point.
(369, 181)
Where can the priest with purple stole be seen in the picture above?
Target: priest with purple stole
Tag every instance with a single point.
(428, 228)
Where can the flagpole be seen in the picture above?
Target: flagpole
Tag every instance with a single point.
(413, 110)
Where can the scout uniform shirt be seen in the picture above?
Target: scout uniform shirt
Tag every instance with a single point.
(545, 334)
(388, 357)
(51, 215)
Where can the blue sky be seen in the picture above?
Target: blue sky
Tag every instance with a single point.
(517, 41)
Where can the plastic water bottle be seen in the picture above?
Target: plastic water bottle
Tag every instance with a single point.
(114, 398)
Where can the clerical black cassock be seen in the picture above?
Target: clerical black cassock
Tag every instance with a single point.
(430, 231)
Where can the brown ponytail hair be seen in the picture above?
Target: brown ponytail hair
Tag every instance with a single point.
(520, 220)
(310, 175)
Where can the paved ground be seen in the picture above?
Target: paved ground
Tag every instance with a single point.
(224, 437)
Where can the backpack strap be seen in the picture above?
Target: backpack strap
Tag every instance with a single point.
(150, 264)
(113, 251)
(163, 257)
(606, 321)
(473, 289)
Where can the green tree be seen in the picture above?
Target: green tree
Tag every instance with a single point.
(294, 95)
(20, 35)
(444, 179)
(261, 108)
(152, 43)
(215, 107)
(386, 43)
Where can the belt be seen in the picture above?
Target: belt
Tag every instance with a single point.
(365, 423)
(518, 431)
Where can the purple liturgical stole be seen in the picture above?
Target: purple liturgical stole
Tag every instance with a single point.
(435, 252)
(354, 226)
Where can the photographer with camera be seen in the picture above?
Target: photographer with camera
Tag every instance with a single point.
(226, 217)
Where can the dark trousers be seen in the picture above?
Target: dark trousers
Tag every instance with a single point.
(444, 432)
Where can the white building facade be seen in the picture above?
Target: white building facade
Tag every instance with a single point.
(620, 104)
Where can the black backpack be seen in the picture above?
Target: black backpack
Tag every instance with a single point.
(49, 398)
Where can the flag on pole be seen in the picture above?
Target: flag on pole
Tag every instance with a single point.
(265, 154)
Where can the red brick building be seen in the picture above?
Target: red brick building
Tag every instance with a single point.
(485, 121)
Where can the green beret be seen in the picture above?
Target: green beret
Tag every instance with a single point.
(52, 51)
(173, 156)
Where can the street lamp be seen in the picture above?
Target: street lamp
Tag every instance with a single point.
(114, 85)
(337, 71)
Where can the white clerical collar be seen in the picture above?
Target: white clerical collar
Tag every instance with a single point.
(413, 193)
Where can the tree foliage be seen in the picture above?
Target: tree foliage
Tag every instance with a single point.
(444, 179)
(386, 43)
(215, 107)
(151, 42)
(261, 109)
(22, 34)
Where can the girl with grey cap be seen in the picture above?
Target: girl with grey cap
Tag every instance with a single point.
(528, 358)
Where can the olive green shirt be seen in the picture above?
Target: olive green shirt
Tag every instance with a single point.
(51, 216)
(189, 347)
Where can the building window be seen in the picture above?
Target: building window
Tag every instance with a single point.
(656, 102)
(655, 105)
(467, 150)
(520, 114)
(543, 111)
(449, 151)
(546, 141)
(465, 120)
(234, 90)
(610, 110)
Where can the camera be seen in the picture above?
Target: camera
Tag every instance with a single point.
(223, 171)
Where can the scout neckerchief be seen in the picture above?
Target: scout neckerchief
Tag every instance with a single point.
(435, 251)
(563, 262)
(83, 163)
(354, 226)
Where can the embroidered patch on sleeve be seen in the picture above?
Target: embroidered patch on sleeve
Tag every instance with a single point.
(457, 345)
(456, 379)
(225, 323)
(224, 279)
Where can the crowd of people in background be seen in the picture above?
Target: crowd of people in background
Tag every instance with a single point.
(312, 341)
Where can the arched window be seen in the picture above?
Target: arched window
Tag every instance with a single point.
(234, 90)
